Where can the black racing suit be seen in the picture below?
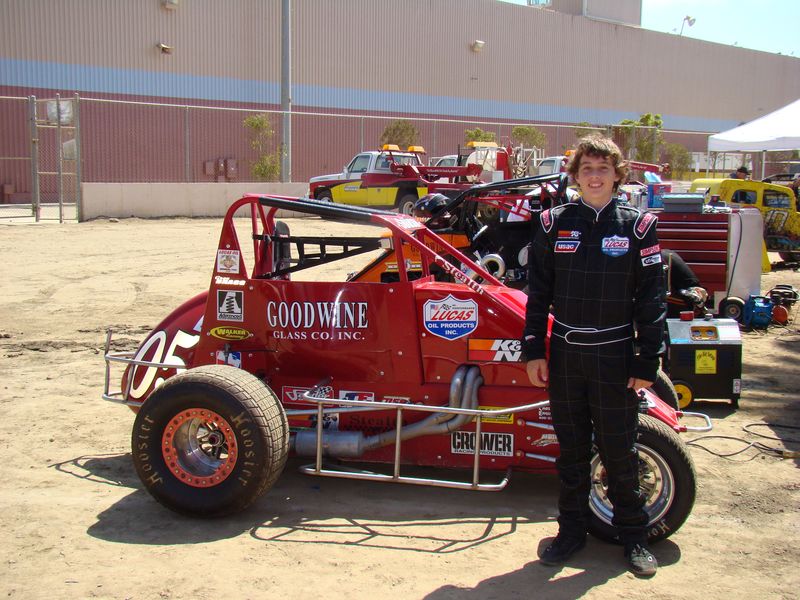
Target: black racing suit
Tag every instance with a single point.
(601, 273)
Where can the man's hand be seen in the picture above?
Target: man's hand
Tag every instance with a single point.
(633, 382)
(538, 372)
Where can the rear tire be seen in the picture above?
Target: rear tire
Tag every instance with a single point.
(667, 479)
(325, 196)
(210, 441)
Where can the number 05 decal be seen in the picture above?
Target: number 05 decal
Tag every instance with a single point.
(159, 340)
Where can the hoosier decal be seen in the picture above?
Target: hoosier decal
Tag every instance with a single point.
(450, 318)
(494, 350)
(492, 444)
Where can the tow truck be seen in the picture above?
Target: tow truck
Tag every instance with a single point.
(390, 177)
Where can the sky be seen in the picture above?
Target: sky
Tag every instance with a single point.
(766, 25)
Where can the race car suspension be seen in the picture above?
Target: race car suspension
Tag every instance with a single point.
(352, 444)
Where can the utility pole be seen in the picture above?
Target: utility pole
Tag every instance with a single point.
(286, 90)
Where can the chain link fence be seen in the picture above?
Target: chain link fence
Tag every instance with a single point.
(122, 141)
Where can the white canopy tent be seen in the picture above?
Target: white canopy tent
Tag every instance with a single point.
(778, 130)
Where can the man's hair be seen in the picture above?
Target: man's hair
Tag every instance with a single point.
(598, 145)
(743, 169)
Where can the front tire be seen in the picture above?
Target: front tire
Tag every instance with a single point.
(325, 196)
(210, 441)
(666, 478)
(663, 388)
(732, 308)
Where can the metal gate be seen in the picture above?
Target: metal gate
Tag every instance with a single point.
(55, 158)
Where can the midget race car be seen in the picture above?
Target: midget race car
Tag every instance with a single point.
(354, 375)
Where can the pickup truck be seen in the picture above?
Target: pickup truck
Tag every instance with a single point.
(777, 204)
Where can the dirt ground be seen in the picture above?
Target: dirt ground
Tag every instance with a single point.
(77, 523)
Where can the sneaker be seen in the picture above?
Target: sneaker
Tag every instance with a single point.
(640, 561)
(561, 548)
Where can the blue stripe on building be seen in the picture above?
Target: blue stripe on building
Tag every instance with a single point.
(87, 78)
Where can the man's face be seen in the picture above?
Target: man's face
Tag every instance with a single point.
(596, 178)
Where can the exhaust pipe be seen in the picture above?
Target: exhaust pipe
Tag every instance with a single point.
(352, 444)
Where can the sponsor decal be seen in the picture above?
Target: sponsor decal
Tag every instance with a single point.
(230, 334)
(650, 250)
(567, 246)
(359, 396)
(569, 235)
(615, 245)
(492, 444)
(397, 400)
(342, 321)
(220, 280)
(547, 222)
(705, 362)
(547, 439)
(233, 359)
(737, 386)
(230, 305)
(451, 318)
(651, 260)
(351, 188)
(644, 224)
(330, 421)
(228, 261)
(458, 275)
(293, 393)
(407, 223)
(544, 414)
(507, 419)
(494, 350)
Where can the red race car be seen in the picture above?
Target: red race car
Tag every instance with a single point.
(424, 372)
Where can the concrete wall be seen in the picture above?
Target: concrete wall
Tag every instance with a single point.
(148, 200)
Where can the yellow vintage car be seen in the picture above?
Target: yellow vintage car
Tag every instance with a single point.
(777, 204)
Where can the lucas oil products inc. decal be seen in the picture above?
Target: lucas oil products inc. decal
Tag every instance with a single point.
(615, 245)
(492, 444)
(494, 350)
(227, 261)
(230, 305)
(450, 318)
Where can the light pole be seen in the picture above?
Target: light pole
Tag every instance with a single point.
(689, 20)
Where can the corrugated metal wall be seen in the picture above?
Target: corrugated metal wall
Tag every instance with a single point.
(374, 57)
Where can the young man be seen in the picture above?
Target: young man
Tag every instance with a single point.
(596, 266)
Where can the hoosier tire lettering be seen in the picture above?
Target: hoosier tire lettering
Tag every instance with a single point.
(210, 441)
